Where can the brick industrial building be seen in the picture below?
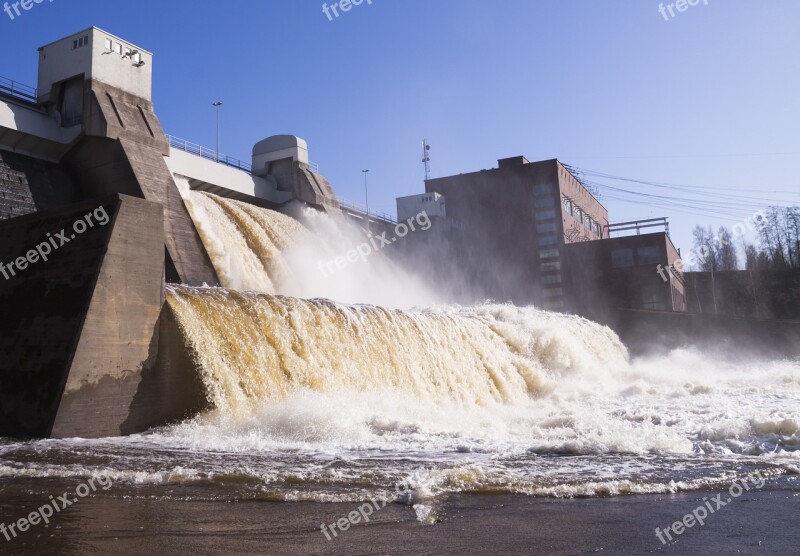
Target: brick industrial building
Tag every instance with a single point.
(531, 232)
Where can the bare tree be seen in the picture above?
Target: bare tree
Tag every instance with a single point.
(705, 249)
(727, 256)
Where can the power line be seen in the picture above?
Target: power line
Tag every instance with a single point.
(695, 200)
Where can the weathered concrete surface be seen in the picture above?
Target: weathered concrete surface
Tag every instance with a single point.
(81, 330)
(43, 307)
(172, 390)
(123, 152)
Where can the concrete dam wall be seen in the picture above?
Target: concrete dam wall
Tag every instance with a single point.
(82, 292)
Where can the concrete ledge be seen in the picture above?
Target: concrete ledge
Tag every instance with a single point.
(207, 175)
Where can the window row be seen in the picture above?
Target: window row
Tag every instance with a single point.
(589, 224)
(80, 42)
(124, 51)
(621, 258)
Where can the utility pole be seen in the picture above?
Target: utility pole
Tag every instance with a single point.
(216, 153)
(366, 197)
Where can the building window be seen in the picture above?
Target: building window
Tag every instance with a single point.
(648, 255)
(621, 258)
(109, 45)
(545, 189)
(118, 48)
(566, 205)
(551, 279)
(546, 227)
(653, 297)
(80, 42)
(545, 215)
(547, 240)
(543, 202)
(549, 267)
(548, 254)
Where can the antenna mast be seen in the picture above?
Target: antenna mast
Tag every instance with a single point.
(426, 159)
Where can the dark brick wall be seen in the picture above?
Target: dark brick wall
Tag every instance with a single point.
(29, 185)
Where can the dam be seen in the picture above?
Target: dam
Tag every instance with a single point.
(91, 346)
(179, 282)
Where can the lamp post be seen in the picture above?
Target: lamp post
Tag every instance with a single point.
(366, 196)
(216, 153)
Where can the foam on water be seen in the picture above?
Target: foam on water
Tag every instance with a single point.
(328, 401)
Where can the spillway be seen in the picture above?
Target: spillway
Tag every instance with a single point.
(254, 348)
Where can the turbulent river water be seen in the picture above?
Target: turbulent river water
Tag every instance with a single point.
(315, 397)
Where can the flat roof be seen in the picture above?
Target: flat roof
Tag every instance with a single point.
(529, 163)
(93, 28)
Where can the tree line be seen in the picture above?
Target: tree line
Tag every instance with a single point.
(777, 246)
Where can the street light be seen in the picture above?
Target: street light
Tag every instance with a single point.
(217, 105)
(366, 196)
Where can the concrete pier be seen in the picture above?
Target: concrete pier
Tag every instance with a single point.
(81, 330)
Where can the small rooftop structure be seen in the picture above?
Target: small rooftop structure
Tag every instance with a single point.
(94, 54)
(278, 147)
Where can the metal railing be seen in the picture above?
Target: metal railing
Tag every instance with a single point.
(16, 89)
(211, 154)
(638, 225)
(349, 205)
(208, 154)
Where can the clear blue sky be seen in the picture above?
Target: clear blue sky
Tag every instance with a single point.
(708, 98)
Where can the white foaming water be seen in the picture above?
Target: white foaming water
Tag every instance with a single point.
(316, 400)
(255, 249)
(346, 400)
(652, 426)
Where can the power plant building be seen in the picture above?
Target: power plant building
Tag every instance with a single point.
(531, 232)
